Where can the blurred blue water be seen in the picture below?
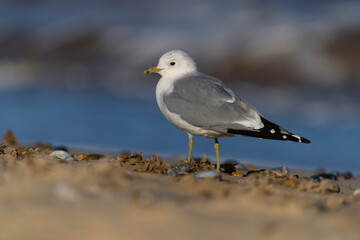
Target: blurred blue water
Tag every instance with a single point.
(112, 123)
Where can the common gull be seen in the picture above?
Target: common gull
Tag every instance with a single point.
(203, 105)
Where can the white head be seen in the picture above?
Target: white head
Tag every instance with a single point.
(174, 63)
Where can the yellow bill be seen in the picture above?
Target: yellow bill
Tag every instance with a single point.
(152, 70)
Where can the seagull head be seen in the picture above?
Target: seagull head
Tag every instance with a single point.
(174, 63)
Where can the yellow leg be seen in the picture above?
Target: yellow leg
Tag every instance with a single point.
(216, 146)
(190, 147)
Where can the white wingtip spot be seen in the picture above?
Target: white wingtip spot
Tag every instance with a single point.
(272, 131)
(284, 137)
(296, 136)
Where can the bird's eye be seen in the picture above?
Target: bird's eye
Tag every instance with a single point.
(172, 63)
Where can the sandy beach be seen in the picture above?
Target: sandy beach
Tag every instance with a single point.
(127, 196)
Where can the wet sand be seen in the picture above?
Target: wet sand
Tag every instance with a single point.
(131, 197)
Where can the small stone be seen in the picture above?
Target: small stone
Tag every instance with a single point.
(184, 167)
(322, 176)
(232, 166)
(63, 155)
(240, 166)
(237, 174)
(357, 192)
(179, 170)
(330, 186)
(171, 172)
(228, 167)
(81, 157)
(211, 174)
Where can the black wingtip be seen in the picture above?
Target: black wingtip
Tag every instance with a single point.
(265, 134)
(304, 140)
(270, 131)
(296, 138)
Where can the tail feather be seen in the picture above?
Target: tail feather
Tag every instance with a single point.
(270, 131)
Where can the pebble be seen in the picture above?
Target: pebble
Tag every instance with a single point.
(331, 186)
(63, 155)
(172, 173)
(211, 174)
(240, 166)
(357, 192)
(237, 174)
(81, 157)
(184, 167)
(228, 167)
(322, 176)
(179, 170)
(231, 166)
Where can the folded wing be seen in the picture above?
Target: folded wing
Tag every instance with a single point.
(207, 102)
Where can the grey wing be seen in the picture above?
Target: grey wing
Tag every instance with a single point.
(207, 102)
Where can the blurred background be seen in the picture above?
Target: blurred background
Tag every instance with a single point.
(71, 73)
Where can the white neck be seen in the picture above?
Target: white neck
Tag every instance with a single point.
(177, 73)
